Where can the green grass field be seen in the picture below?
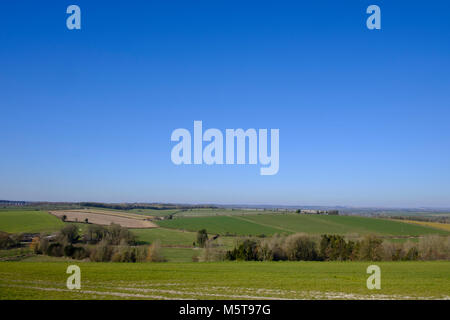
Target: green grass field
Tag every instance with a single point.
(168, 237)
(220, 225)
(15, 221)
(341, 225)
(225, 280)
(269, 224)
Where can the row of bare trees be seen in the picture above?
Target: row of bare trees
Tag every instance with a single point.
(101, 244)
(305, 247)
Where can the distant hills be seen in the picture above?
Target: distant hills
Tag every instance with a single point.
(345, 210)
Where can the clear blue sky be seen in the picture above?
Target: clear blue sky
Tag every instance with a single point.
(364, 116)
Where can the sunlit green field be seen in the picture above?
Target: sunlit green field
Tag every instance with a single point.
(220, 225)
(167, 237)
(269, 224)
(28, 221)
(180, 254)
(225, 280)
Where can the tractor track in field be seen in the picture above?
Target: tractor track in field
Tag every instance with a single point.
(264, 224)
(178, 291)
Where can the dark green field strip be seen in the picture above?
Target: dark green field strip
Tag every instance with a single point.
(15, 221)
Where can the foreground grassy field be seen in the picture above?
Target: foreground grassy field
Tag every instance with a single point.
(225, 280)
(269, 224)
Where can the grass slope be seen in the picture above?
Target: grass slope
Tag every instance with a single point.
(269, 224)
(16, 221)
(220, 225)
(342, 225)
(224, 280)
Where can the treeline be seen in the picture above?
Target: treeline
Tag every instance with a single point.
(118, 206)
(100, 244)
(130, 206)
(301, 247)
